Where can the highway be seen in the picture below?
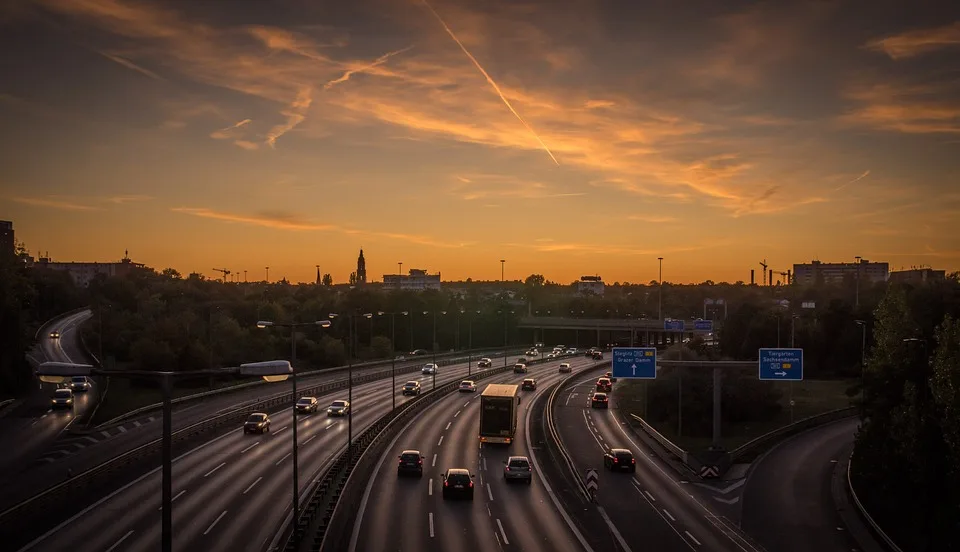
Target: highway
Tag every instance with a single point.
(787, 500)
(82, 452)
(410, 514)
(652, 509)
(32, 425)
(232, 492)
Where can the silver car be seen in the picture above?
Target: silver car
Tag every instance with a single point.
(62, 398)
(517, 468)
(79, 384)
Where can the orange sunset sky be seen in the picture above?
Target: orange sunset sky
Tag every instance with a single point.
(568, 137)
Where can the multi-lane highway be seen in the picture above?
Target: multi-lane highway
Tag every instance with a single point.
(232, 492)
(410, 513)
(653, 508)
(32, 425)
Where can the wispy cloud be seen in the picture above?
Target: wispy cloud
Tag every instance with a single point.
(918, 41)
(227, 132)
(652, 219)
(911, 109)
(490, 80)
(131, 65)
(364, 68)
(122, 199)
(52, 202)
(296, 112)
(487, 186)
(863, 175)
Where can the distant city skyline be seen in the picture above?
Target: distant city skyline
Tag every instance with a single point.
(588, 139)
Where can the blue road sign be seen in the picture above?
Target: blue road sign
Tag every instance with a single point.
(781, 364)
(673, 325)
(634, 362)
(703, 325)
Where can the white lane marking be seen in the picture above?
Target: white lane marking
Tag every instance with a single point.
(434, 463)
(310, 439)
(106, 434)
(466, 404)
(457, 414)
(594, 435)
(502, 532)
(214, 524)
(613, 529)
(668, 515)
(448, 426)
(430, 519)
(280, 461)
(694, 539)
(281, 429)
(137, 423)
(650, 496)
(252, 485)
(440, 442)
(173, 499)
(123, 538)
(250, 447)
(91, 439)
(484, 463)
(329, 425)
(430, 487)
(150, 419)
(215, 469)
(122, 429)
(490, 492)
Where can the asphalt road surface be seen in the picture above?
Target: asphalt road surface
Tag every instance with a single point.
(409, 513)
(233, 492)
(33, 425)
(787, 502)
(652, 509)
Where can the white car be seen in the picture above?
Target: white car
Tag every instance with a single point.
(571, 351)
(79, 383)
(468, 386)
(429, 369)
(484, 363)
(532, 353)
(565, 367)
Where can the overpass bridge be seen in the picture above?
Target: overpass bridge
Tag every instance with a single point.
(635, 332)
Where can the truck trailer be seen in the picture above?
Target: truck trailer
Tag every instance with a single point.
(499, 405)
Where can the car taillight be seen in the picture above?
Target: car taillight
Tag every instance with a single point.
(633, 460)
(471, 484)
(616, 460)
(446, 483)
(420, 461)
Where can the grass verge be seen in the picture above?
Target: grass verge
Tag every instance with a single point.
(810, 397)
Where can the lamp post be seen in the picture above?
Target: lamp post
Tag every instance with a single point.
(660, 292)
(56, 372)
(293, 378)
(350, 324)
(267, 268)
(393, 352)
(863, 363)
(470, 344)
(857, 303)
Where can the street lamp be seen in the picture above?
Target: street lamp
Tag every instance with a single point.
(393, 352)
(863, 362)
(279, 367)
(57, 372)
(660, 293)
(470, 343)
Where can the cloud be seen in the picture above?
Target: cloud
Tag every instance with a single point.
(652, 219)
(52, 202)
(906, 108)
(131, 65)
(247, 145)
(227, 133)
(364, 68)
(487, 186)
(599, 104)
(295, 113)
(120, 200)
(918, 41)
(865, 174)
(490, 80)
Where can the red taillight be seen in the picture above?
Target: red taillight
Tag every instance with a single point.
(471, 484)
(633, 460)
(420, 461)
(616, 460)
(446, 483)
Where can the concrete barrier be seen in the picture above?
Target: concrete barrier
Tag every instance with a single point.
(862, 511)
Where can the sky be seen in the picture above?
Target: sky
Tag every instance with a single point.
(567, 137)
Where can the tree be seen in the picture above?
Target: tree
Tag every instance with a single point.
(534, 281)
(327, 280)
(171, 273)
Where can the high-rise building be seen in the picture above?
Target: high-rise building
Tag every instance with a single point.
(84, 273)
(8, 242)
(361, 269)
(417, 280)
(590, 284)
(817, 272)
(918, 276)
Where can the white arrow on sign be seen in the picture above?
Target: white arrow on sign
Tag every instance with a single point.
(780, 373)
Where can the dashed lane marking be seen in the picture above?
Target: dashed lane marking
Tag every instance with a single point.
(123, 538)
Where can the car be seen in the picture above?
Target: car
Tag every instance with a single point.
(598, 355)
(80, 383)
(308, 404)
(571, 351)
(429, 369)
(418, 352)
(565, 368)
(589, 352)
(457, 482)
(517, 468)
(338, 408)
(620, 460)
(599, 400)
(522, 360)
(532, 353)
(603, 384)
(538, 345)
(411, 462)
(62, 398)
(468, 386)
(609, 376)
(258, 422)
(484, 363)
(550, 355)
(54, 335)
(410, 388)
(529, 384)
(519, 368)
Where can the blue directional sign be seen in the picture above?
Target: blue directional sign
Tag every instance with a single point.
(781, 364)
(703, 325)
(634, 362)
(673, 325)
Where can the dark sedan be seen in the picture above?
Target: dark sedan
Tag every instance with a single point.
(620, 460)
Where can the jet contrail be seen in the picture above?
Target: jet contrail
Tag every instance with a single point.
(857, 179)
(490, 80)
(350, 72)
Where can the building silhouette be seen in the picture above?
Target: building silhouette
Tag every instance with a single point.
(8, 241)
(816, 272)
(361, 269)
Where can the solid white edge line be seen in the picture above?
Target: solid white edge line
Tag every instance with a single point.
(502, 532)
(613, 529)
(123, 538)
(694, 539)
(215, 522)
(430, 519)
(549, 489)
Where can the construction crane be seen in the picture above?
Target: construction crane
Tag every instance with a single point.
(224, 271)
(763, 263)
(785, 276)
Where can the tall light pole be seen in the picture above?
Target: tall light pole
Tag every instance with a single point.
(470, 344)
(293, 378)
(863, 363)
(267, 268)
(501, 270)
(857, 304)
(660, 293)
(400, 269)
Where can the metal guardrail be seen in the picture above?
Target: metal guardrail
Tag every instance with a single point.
(61, 315)
(3, 404)
(671, 447)
(333, 484)
(785, 431)
(446, 360)
(892, 546)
